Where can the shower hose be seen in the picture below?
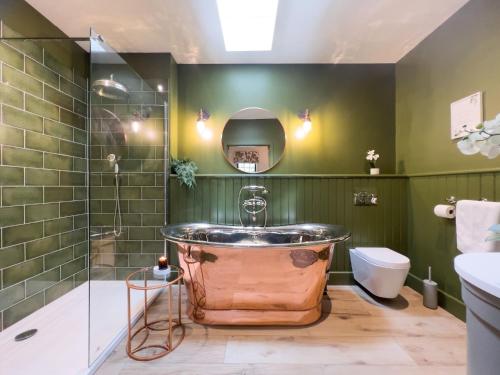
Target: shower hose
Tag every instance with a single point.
(117, 220)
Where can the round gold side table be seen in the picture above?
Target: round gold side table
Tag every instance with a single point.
(146, 280)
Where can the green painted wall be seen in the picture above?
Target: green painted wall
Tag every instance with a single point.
(461, 57)
(352, 109)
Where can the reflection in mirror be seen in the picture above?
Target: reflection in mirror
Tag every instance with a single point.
(253, 140)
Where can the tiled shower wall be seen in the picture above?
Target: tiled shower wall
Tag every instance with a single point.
(141, 159)
(42, 176)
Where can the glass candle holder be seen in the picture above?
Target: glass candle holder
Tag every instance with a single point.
(162, 263)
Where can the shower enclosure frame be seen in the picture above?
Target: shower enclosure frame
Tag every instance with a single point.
(165, 171)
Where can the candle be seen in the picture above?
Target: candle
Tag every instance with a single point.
(162, 263)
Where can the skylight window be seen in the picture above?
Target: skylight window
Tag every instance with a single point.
(248, 25)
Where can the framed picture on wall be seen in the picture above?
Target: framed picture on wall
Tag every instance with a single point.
(466, 114)
(251, 158)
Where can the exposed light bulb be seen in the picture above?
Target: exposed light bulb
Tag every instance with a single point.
(206, 134)
(200, 125)
(300, 133)
(136, 126)
(203, 130)
(307, 125)
(160, 87)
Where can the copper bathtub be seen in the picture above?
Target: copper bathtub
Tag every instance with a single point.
(255, 276)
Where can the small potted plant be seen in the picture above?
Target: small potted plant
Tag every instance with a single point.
(372, 158)
(185, 170)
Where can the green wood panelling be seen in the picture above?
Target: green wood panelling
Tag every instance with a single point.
(432, 240)
(304, 199)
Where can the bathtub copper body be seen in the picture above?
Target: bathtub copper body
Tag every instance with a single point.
(255, 276)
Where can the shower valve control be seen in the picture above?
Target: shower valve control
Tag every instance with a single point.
(364, 198)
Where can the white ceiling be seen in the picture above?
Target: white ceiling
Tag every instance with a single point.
(307, 31)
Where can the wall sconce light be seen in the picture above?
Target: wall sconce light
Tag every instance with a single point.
(138, 119)
(306, 126)
(136, 122)
(205, 132)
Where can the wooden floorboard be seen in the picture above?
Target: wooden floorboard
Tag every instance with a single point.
(357, 334)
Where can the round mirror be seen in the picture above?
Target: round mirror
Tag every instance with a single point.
(253, 140)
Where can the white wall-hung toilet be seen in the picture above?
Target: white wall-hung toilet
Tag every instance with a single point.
(380, 270)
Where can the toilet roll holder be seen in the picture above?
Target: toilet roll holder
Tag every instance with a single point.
(453, 200)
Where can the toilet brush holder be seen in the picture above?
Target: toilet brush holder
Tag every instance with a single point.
(429, 292)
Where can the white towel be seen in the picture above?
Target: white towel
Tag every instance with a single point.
(473, 220)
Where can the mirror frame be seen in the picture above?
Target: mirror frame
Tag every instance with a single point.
(229, 161)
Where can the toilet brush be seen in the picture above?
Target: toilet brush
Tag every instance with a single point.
(430, 292)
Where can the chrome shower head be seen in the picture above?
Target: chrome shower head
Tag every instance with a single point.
(109, 88)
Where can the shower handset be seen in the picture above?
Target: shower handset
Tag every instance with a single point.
(113, 160)
(117, 220)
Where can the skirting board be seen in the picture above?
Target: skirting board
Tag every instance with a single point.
(341, 278)
(451, 304)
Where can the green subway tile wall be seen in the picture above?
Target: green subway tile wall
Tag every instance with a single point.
(141, 160)
(42, 175)
(305, 199)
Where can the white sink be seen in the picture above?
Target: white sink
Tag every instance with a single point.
(481, 270)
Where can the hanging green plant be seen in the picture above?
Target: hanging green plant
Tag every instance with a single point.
(185, 170)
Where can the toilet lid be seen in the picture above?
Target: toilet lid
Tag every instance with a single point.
(384, 257)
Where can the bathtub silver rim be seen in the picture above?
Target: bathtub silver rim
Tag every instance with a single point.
(341, 234)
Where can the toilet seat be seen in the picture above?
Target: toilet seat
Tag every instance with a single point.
(383, 257)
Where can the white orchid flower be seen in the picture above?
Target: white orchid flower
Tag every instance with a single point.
(495, 140)
(485, 140)
(376, 156)
(490, 150)
(478, 136)
(492, 126)
(468, 146)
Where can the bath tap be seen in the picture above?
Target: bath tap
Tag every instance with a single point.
(254, 205)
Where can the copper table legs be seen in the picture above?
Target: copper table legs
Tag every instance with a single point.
(144, 280)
